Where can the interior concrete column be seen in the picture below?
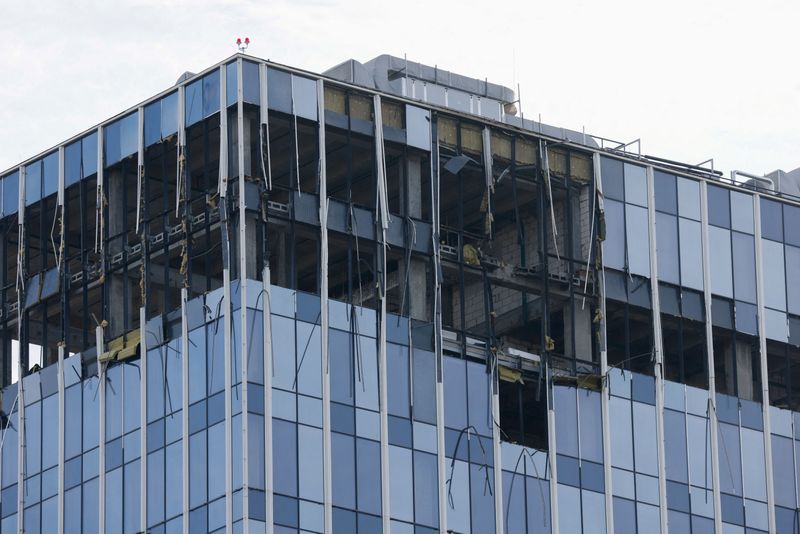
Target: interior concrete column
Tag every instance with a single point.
(115, 283)
(582, 333)
(744, 370)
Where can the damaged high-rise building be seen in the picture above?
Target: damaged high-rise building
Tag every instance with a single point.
(378, 300)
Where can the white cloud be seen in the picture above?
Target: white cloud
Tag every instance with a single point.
(693, 79)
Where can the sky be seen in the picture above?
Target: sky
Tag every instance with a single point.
(692, 79)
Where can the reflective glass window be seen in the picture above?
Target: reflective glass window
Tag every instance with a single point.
(645, 449)
(719, 242)
(401, 484)
(611, 174)
(691, 253)
(231, 84)
(418, 127)
(424, 386)
(304, 97)
(72, 163)
(719, 206)
(744, 271)
(688, 198)
(635, 184)
(792, 287)
(774, 278)
(771, 219)
(11, 193)
(667, 248)
(742, 212)
(614, 244)
(33, 183)
(791, 221)
(666, 192)
(279, 88)
(193, 95)
(50, 174)
(250, 79)
(211, 93)
(638, 240)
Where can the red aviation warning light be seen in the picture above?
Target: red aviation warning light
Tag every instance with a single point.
(243, 44)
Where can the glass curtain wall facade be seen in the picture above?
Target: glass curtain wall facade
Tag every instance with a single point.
(266, 301)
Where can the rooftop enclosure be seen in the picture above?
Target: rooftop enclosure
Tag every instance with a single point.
(431, 312)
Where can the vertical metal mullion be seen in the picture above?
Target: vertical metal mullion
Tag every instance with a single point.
(324, 312)
(242, 253)
(762, 342)
(604, 369)
(267, 325)
(658, 347)
(227, 308)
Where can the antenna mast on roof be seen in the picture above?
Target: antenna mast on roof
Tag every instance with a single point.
(243, 44)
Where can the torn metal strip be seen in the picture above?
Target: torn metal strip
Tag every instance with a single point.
(489, 179)
(266, 164)
(139, 167)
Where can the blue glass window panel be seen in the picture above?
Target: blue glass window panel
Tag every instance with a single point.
(756, 515)
(284, 443)
(619, 382)
(255, 346)
(400, 432)
(645, 449)
(279, 88)
(424, 386)
(398, 387)
(614, 244)
(210, 93)
(678, 522)
(643, 388)
(592, 476)
(591, 425)
(753, 475)
(565, 404)
(32, 438)
(90, 512)
(194, 102)
(255, 447)
(155, 383)
(751, 414)
(691, 254)
(569, 502)
(688, 198)
(231, 85)
(169, 115)
(677, 496)
(32, 522)
(250, 79)
(648, 518)
(746, 316)
(621, 432)
(50, 174)
(455, 393)
(719, 206)
(401, 484)
(425, 437)
(174, 383)
(312, 516)
(594, 512)
(310, 469)
(624, 516)
(771, 220)
(612, 177)
(309, 360)
(89, 149)
(368, 475)
(742, 212)
(635, 184)
(702, 501)
(197, 365)
(11, 193)
(774, 276)
(174, 479)
(197, 469)
(638, 240)
(32, 490)
(744, 271)
(304, 97)
(343, 470)
(792, 267)
(666, 192)
(49, 516)
(426, 489)
(785, 520)
(775, 325)
(719, 242)
(72, 472)
(732, 509)
(152, 123)
(50, 433)
(783, 471)
(514, 502)
(369, 524)
(129, 133)
(667, 248)
(309, 410)
(623, 483)
(9, 495)
(647, 489)
(481, 499)
(568, 470)
(132, 393)
(131, 496)
(344, 521)
(216, 514)
(730, 475)
(418, 127)
(155, 488)
(479, 398)
(33, 183)
(215, 375)
(367, 424)
(216, 468)
(367, 382)
(114, 505)
(791, 220)
(236, 455)
(91, 464)
(675, 446)
(72, 510)
(538, 504)
(283, 352)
